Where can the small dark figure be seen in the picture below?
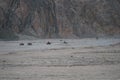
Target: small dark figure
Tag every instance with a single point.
(4, 61)
(21, 44)
(73, 48)
(65, 42)
(29, 44)
(71, 56)
(48, 43)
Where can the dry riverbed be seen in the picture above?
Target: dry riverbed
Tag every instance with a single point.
(72, 61)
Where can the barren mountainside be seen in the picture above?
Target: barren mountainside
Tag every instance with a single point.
(59, 18)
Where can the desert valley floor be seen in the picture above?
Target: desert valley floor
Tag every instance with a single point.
(63, 59)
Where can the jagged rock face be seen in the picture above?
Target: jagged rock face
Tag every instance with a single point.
(33, 17)
(60, 18)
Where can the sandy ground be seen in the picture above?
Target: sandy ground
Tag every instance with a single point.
(84, 59)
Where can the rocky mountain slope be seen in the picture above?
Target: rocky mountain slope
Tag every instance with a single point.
(59, 18)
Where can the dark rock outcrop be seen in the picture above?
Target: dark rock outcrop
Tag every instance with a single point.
(59, 18)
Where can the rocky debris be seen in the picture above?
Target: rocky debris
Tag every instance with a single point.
(97, 38)
(21, 44)
(29, 44)
(61, 40)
